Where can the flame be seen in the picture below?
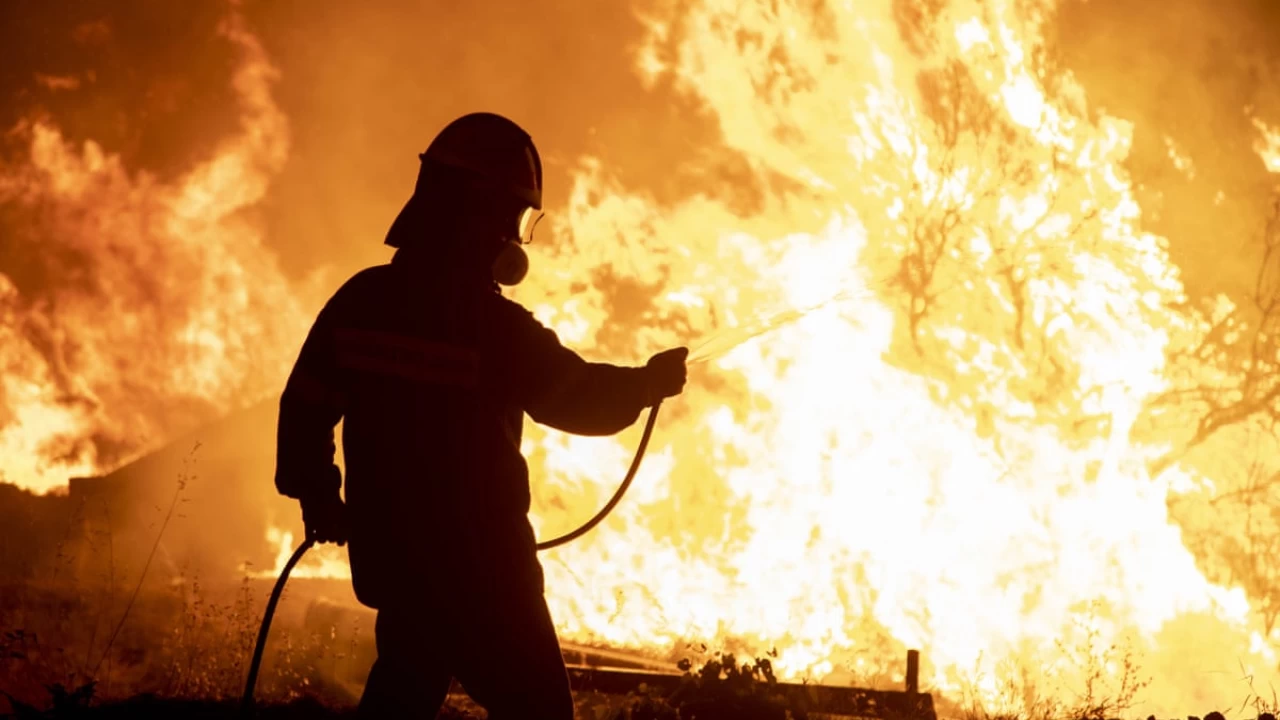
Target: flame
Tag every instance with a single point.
(847, 476)
(150, 306)
(867, 477)
(957, 470)
(1268, 145)
(1179, 158)
(321, 561)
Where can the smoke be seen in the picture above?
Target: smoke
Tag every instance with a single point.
(367, 87)
(364, 87)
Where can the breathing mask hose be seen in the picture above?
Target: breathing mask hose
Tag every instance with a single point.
(246, 702)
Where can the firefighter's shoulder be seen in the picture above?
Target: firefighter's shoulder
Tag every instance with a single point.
(366, 287)
(506, 312)
(367, 280)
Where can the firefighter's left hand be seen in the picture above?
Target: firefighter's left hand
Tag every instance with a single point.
(326, 519)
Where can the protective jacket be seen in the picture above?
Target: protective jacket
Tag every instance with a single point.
(431, 375)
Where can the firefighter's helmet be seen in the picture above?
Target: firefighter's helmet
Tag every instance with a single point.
(487, 149)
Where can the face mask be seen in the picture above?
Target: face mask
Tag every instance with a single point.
(511, 264)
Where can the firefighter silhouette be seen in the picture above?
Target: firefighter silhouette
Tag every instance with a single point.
(431, 370)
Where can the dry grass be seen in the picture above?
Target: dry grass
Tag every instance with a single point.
(183, 652)
(1105, 683)
(187, 642)
(100, 645)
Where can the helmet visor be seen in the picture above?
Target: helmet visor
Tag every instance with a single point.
(529, 218)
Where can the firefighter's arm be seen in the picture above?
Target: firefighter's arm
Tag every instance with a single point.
(310, 408)
(560, 389)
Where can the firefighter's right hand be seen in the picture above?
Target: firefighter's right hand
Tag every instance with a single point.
(325, 519)
(667, 374)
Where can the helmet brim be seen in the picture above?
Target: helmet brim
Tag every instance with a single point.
(410, 225)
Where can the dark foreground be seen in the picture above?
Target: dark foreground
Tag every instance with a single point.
(593, 706)
(720, 691)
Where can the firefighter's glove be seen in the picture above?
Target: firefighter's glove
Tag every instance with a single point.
(667, 374)
(325, 518)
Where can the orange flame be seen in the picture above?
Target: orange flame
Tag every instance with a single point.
(1268, 145)
(163, 310)
(865, 476)
(321, 561)
(963, 480)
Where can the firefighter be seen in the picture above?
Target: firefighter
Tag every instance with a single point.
(431, 370)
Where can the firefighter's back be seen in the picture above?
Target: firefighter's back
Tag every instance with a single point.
(435, 482)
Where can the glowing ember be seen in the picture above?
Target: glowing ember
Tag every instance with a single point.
(1268, 145)
(1179, 158)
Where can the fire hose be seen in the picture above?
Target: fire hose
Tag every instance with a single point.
(246, 702)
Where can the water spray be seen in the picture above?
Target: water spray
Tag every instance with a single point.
(720, 343)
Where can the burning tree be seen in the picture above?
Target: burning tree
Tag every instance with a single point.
(1227, 366)
(1224, 403)
(1004, 223)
